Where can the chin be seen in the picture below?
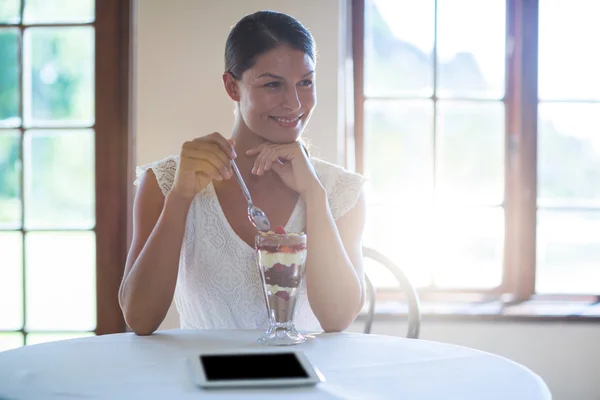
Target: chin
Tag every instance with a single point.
(284, 137)
(280, 135)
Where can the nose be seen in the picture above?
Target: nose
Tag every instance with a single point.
(291, 101)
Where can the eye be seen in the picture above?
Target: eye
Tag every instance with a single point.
(273, 84)
(306, 82)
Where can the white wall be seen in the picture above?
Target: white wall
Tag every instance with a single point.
(179, 62)
(179, 95)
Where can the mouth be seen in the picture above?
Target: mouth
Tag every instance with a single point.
(288, 122)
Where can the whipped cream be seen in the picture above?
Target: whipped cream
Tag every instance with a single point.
(276, 288)
(272, 233)
(287, 259)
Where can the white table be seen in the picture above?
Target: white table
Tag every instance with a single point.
(356, 366)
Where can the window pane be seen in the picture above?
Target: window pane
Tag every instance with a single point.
(11, 282)
(468, 247)
(379, 275)
(10, 182)
(9, 78)
(399, 150)
(55, 11)
(569, 154)
(59, 76)
(568, 252)
(471, 48)
(61, 281)
(9, 12)
(569, 61)
(399, 37)
(403, 234)
(38, 338)
(10, 340)
(448, 247)
(59, 179)
(470, 152)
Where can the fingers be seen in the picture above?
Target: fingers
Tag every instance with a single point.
(265, 160)
(207, 170)
(257, 163)
(260, 162)
(210, 150)
(277, 166)
(256, 150)
(224, 144)
(212, 156)
(269, 159)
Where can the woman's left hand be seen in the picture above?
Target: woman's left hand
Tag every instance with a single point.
(290, 162)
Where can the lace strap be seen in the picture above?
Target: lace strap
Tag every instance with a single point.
(343, 187)
(346, 192)
(164, 170)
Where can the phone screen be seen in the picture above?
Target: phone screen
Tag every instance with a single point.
(225, 367)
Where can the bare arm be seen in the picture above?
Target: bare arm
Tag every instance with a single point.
(158, 229)
(151, 269)
(334, 266)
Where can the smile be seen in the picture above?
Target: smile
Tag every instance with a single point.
(287, 122)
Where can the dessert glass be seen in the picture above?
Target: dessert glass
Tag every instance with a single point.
(281, 260)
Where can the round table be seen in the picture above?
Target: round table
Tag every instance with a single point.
(355, 366)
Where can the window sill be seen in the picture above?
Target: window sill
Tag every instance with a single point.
(532, 310)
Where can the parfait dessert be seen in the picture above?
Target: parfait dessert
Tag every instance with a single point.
(281, 258)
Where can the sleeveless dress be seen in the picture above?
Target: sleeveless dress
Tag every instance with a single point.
(218, 284)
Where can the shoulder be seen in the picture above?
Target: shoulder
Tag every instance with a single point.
(343, 187)
(334, 176)
(164, 171)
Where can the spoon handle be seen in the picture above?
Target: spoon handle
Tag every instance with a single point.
(241, 181)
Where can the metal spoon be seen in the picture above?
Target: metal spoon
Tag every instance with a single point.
(255, 214)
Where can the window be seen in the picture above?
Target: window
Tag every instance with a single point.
(482, 153)
(63, 154)
(568, 136)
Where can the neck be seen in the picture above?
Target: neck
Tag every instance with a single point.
(245, 139)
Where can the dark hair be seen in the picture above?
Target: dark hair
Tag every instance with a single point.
(260, 32)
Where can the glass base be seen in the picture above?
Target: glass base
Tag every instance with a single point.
(281, 336)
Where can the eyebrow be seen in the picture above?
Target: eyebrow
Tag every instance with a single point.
(270, 75)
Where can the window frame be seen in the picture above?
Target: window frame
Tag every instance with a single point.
(114, 156)
(521, 117)
(113, 147)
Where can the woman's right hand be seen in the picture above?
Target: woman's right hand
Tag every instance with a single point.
(202, 160)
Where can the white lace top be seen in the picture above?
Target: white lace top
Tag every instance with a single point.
(218, 285)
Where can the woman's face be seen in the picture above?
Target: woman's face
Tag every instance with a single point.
(278, 94)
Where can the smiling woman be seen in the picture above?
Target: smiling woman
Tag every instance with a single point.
(192, 239)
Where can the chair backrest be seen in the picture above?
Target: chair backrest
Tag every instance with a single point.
(414, 311)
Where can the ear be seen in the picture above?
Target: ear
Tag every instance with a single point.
(231, 86)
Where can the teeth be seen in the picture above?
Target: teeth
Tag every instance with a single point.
(287, 121)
